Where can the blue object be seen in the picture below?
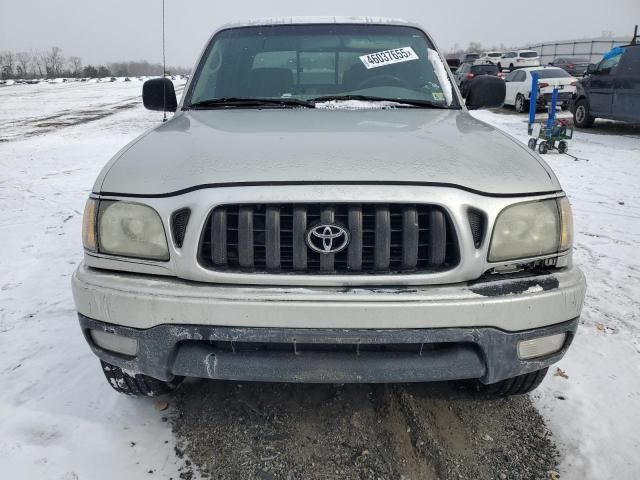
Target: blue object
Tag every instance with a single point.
(533, 98)
(614, 52)
(552, 112)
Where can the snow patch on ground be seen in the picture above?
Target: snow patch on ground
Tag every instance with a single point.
(595, 412)
(58, 416)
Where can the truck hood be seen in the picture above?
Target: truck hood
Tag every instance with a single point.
(403, 145)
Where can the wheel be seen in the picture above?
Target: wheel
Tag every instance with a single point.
(521, 103)
(582, 115)
(511, 67)
(563, 146)
(565, 106)
(513, 386)
(137, 385)
(543, 147)
(499, 66)
(532, 144)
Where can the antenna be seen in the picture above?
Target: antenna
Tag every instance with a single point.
(164, 70)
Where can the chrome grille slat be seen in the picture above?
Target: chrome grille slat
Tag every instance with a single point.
(384, 239)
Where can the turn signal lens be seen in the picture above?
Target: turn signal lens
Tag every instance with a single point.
(541, 346)
(566, 224)
(89, 236)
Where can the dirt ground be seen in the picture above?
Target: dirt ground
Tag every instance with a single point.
(228, 430)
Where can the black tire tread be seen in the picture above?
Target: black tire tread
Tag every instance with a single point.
(519, 385)
(136, 385)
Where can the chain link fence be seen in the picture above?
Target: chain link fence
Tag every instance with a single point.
(591, 49)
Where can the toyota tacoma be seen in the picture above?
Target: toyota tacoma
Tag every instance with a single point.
(322, 207)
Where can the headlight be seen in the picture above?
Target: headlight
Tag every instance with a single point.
(131, 230)
(532, 229)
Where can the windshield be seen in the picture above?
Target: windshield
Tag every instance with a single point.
(304, 63)
(551, 73)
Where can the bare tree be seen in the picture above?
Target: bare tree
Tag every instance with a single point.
(7, 62)
(23, 60)
(76, 66)
(54, 62)
(39, 63)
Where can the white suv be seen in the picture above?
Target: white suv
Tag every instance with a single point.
(489, 57)
(323, 208)
(519, 59)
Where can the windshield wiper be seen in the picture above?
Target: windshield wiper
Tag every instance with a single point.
(250, 102)
(367, 98)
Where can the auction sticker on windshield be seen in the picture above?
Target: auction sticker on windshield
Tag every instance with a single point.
(388, 57)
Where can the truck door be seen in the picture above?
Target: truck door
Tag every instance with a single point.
(626, 96)
(601, 86)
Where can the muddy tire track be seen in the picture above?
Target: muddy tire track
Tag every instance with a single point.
(229, 430)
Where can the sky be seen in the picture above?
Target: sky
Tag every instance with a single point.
(102, 31)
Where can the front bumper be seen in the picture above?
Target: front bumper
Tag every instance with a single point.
(328, 334)
(327, 355)
(511, 304)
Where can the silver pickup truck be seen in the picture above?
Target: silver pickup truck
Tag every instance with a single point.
(323, 208)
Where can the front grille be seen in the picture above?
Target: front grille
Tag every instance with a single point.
(384, 238)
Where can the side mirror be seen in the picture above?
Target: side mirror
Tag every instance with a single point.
(592, 67)
(486, 91)
(159, 94)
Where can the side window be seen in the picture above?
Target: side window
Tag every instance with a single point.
(630, 63)
(608, 66)
(520, 76)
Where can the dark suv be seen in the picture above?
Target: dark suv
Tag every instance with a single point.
(467, 72)
(611, 89)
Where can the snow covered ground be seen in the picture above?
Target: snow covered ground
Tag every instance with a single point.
(58, 417)
(595, 412)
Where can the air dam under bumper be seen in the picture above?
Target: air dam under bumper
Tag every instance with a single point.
(327, 355)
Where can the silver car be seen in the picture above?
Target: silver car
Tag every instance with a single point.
(323, 208)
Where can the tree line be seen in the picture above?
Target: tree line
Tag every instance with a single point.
(53, 64)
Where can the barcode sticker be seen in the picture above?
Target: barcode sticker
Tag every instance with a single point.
(389, 57)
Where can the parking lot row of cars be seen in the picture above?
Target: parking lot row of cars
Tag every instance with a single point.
(609, 89)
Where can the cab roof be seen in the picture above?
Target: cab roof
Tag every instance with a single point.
(270, 21)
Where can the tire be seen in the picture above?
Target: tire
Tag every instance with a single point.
(137, 385)
(563, 146)
(543, 148)
(520, 104)
(511, 67)
(499, 66)
(582, 115)
(513, 386)
(532, 144)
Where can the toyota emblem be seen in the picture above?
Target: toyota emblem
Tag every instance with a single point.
(327, 238)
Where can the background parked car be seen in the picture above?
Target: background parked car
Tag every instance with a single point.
(611, 90)
(489, 57)
(518, 84)
(519, 59)
(470, 57)
(454, 64)
(468, 72)
(576, 66)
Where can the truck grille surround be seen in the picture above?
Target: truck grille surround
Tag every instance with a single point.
(382, 239)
